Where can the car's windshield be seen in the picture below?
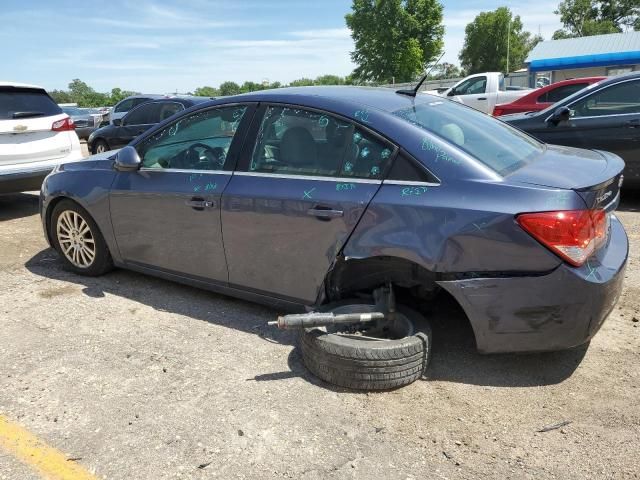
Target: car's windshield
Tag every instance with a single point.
(497, 145)
(19, 103)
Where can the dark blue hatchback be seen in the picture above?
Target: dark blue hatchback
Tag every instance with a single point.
(320, 197)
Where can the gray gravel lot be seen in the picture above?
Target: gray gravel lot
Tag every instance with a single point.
(141, 378)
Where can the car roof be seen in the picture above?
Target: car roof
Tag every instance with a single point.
(17, 84)
(187, 101)
(385, 99)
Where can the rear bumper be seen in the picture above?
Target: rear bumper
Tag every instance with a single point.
(560, 310)
(84, 132)
(22, 181)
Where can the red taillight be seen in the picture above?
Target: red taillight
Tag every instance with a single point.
(63, 125)
(572, 234)
(497, 111)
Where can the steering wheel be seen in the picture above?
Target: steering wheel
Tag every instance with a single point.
(213, 156)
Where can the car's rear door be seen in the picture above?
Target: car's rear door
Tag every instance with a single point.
(300, 189)
(166, 216)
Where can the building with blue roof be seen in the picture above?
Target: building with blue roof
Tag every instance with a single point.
(597, 55)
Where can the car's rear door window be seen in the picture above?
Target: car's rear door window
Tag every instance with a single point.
(297, 141)
(494, 143)
(561, 93)
(16, 103)
(200, 141)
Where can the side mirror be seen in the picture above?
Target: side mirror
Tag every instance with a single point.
(116, 121)
(127, 160)
(451, 93)
(562, 114)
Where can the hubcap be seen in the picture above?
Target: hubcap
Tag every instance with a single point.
(75, 239)
(100, 148)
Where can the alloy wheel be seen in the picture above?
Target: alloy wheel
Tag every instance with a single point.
(76, 239)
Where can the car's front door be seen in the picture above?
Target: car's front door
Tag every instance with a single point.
(297, 195)
(135, 123)
(473, 92)
(167, 215)
(607, 119)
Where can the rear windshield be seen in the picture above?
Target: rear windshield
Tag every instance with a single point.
(502, 148)
(16, 103)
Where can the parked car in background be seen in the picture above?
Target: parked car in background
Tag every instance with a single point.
(137, 121)
(482, 91)
(333, 198)
(602, 116)
(121, 108)
(544, 97)
(84, 119)
(35, 136)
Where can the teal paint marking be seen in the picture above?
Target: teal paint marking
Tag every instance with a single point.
(363, 116)
(592, 271)
(210, 187)
(413, 191)
(345, 186)
(197, 188)
(428, 146)
(193, 176)
(307, 193)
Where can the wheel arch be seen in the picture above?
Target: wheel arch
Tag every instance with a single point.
(49, 213)
(349, 277)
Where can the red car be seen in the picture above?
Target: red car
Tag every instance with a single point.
(541, 98)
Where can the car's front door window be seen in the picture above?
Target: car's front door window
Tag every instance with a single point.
(619, 99)
(473, 86)
(200, 141)
(142, 115)
(296, 141)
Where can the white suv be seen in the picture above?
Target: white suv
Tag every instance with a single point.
(35, 136)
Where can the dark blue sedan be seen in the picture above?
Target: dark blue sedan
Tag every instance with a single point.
(357, 204)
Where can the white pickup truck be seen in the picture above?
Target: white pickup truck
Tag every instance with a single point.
(482, 91)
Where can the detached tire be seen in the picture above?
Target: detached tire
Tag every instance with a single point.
(366, 363)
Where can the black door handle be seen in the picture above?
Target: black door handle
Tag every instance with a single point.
(198, 203)
(324, 213)
(482, 98)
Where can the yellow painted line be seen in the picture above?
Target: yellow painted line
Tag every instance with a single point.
(47, 461)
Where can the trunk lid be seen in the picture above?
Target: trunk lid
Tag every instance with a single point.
(594, 175)
(28, 140)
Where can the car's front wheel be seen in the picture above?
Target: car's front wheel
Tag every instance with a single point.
(100, 146)
(78, 240)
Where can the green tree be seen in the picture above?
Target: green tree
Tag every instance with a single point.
(118, 94)
(329, 80)
(582, 18)
(250, 86)
(445, 70)
(206, 92)
(60, 96)
(394, 39)
(229, 88)
(301, 82)
(485, 42)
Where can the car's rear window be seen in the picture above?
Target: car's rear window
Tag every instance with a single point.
(16, 103)
(501, 147)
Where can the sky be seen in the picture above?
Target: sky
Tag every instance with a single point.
(162, 46)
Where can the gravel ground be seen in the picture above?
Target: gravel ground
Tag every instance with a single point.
(140, 378)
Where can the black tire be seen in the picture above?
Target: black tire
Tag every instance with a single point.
(102, 261)
(364, 364)
(100, 143)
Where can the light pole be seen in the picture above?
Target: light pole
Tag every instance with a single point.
(508, 41)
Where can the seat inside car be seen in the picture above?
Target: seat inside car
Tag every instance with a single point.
(298, 149)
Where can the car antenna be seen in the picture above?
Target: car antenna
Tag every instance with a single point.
(413, 92)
